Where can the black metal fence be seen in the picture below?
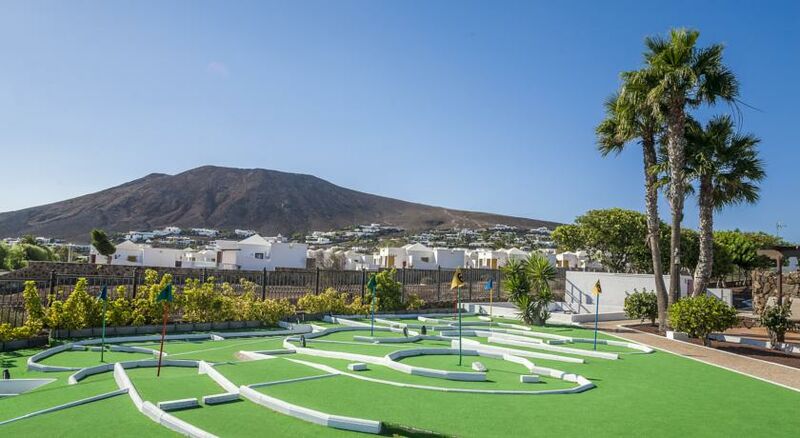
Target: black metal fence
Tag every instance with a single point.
(432, 286)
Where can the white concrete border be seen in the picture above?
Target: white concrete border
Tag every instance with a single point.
(310, 415)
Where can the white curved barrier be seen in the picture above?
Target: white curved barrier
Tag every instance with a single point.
(311, 415)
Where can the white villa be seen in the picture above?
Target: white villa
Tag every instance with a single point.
(576, 260)
(253, 253)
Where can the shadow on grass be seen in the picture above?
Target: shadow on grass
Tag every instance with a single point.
(390, 429)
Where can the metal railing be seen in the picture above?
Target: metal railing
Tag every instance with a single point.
(431, 285)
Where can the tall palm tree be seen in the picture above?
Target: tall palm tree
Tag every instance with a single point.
(726, 166)
(685, 77)
(629, 118)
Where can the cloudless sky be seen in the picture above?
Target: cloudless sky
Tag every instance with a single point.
(478, 105)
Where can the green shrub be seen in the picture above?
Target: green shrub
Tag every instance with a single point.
(207, 302)
(414, 302)
(146, 310)
(776, 320)
(701, 315)
(528, 285)
(332, 301)
(642, 305)
(33, 302)
(27, 331)
(119, 309)
(388, 290)
(328, 302)
(269, 312)
(81, 309)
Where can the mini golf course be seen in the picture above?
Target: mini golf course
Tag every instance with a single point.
(340, 377)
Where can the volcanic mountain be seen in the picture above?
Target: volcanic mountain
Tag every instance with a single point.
(267, 201)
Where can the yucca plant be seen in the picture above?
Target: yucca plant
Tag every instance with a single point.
(528, 286)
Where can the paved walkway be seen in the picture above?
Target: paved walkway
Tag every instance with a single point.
(753, 367)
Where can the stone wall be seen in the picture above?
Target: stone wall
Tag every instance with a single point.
(765, 285)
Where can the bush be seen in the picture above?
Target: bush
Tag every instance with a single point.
(528, 285)
(29, 330)
(119, 309)
(388, 291)
(776, 320)
(414, 302)
(33, 303)
(146, 310)
(642, 305)
(207, 302)
(699, 316)
(333, 302)
(81, 309)
(269, 312)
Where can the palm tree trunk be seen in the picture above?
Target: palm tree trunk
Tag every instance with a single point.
(653, 228)
(676, 150)
(705, 261)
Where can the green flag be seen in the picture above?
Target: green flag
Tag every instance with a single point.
(165, 294)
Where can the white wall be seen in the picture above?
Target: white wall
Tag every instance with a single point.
(275, 255)
(421, 259)
(449, 258)
(616, 286)
(164, 257)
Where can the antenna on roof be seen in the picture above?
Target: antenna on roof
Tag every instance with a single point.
(778, 227)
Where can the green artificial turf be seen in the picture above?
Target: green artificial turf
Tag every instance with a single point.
(260, 371)
(503, 377)
(653, 395)
(657, 394)
(82, 359)
(113, 417)
(173, 384)
(54, 394)
(244, 418)
(215, 351)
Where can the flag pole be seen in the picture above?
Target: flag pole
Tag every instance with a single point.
(372, 285)
(596, 311)
(491, 304)
(596, 291)
(163, 334)
(459, 325)
(372, 310)
(103, 344)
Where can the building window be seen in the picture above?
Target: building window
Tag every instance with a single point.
(425, 259)
(259, 255)
(132, 258)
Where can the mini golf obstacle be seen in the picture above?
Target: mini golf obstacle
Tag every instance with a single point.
(505, 342)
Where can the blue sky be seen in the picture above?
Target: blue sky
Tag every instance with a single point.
(485, 106)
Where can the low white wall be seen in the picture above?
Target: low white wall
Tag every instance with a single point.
(616, 286)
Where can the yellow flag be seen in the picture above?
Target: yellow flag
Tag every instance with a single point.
(597, 290)
(458, 279)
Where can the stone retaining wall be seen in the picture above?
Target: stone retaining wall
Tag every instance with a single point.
(765, 285)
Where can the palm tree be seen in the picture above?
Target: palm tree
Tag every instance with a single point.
(726, 165)
(682, 76)
(629, 118)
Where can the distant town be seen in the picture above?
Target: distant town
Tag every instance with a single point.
(369, 246)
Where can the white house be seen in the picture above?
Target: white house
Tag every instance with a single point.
(256, 253)
(253, 253)
(355, 260)
(419, 256)
(516, 254)
(390, 257)
(491, 258)
(576, 260)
